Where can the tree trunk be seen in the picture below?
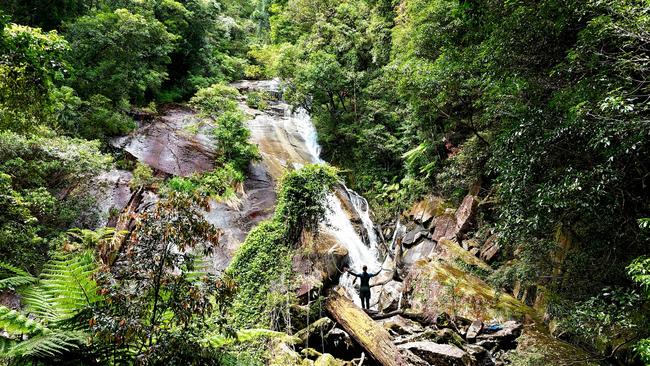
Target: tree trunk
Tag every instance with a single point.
(370, 335)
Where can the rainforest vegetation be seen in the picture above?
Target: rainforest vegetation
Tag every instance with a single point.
(541, 108)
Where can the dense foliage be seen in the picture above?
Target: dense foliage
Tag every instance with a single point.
(261, 267)
(544, 105)
(539, 107)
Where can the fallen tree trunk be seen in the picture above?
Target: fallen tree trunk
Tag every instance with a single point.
(370, 335)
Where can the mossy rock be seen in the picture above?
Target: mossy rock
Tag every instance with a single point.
(537, 347)
(327, 360)
(452, 251)
(438, 286)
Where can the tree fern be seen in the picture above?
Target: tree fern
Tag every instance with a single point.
(64, 289)
(12, 278)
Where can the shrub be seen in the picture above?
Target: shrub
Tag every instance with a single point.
(232, 145)
(216, 99)
(258, 100)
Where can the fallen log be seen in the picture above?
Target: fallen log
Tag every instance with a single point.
(370, 335)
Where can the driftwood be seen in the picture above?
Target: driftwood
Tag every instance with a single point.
(371, 336)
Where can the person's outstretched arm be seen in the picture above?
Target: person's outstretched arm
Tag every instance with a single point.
(352, 273)
(378, 272)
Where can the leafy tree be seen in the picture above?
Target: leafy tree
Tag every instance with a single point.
(44, 13)
(31, 62)
(44, 183)
(160, 299)
(232, 141)
(215, 99)
(119, 54)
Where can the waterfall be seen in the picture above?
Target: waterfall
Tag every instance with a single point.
(288, 139)
(339, 225)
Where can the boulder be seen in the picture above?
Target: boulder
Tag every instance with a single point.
(422, 250)
(314, 330)
(465, 213)
(474, 329)
(444, 226)
(478, 355)
(412, 237)
(413, 360)
(425, 210)
(399, 325)
(389, 296)
(471, 243)
(340, 344)
(505, 336)
(438, 354)
(327, 360)
(490, 249)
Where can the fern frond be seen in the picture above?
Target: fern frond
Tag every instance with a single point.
(13, 322)
(65, 287)
(12, 277)
(48, 344)
(6, 345)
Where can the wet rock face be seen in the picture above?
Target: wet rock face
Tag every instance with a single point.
(112, 191)
(177, 143)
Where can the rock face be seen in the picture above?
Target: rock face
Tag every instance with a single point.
(490, 249)
(445, 227)
(466, 213)
(420, 251)
(112, 193)
(438, 354)
(170, 145)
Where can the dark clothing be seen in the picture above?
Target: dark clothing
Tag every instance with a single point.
(364, 290)
(364, 294)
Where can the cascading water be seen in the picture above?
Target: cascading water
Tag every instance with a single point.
(288, 139)
(339, 224)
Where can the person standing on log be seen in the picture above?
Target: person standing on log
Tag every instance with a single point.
(364, 290)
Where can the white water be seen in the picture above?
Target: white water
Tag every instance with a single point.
(338, 222)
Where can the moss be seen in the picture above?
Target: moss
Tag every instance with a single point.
(439, 286)
(327, 360)
(457, 252)
(261, 267)
(263, 259)
(536, 347)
